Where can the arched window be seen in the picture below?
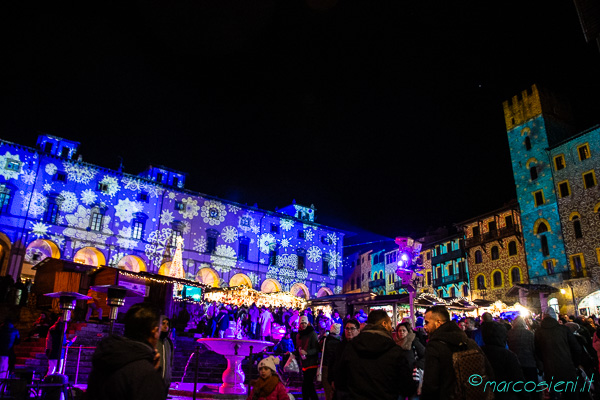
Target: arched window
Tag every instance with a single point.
(533, 172)
(497, 279)
(515, 275)
(512, 248)
(577, 227)
(495, 253)
(527, 143)
(480, 282)
(542, 227)
(478, 257)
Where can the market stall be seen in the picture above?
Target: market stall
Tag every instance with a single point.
(242, 295)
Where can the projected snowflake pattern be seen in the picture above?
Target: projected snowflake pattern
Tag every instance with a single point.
(58, 240)
(79, 173)
(332, 238)
(233, 209)
(28, 177)
(200, 244)
(8, 173)
(213, 212)
(88, 197)
(114, 260)
(112, 185)
(309, 235)
(253, 278)
(190, 208)
(159, 245)
(124, 240)
(314, 254)
(283, 275)
(286, 224)
(285, 243)
(302, 274)
(68, 201)
(229, 234)
(166, 217)
(79, 223)
(47, 187)
(34, 255)
(34, 201)
(246, 222)
(338, 290)
(287, 260)
(39, 229)
(51, 169)
(335, 259)
(224, 258)
(125, 209)
(153, 190)
(186, 227)
(266, 242)
(132, 184)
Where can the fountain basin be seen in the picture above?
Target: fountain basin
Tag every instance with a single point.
(234, 350)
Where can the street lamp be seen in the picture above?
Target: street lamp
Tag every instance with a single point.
(115, 298)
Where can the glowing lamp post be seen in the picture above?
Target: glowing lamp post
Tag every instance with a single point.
(409, 268)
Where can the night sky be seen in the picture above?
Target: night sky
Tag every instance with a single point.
(386, 115)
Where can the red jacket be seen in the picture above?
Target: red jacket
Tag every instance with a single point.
(278, 394)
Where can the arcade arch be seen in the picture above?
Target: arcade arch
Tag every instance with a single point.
(300, 290)
(132, 263)
(270, 286)
(90, 256)
(208, 276)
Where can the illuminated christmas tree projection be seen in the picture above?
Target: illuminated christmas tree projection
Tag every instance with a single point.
(176, 269)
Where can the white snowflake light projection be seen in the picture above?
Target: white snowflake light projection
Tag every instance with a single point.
(266, 242)
(68, 202)
(166, 217)
(88, 197)
(200, 244)
(287, 260)
(286, 224)
(125, 209)
(233, 209)
(338, 290)
(332, 238)
(186, 227)
(28, 177)
(159, 242)
(229, 234)
(112, 185)
(47, 187)
(79, 173)
(39, 229)
(301, 274)
(314, 254)
(254, 278)
(285, 243)
(213, 212)
(33, 255)
(335, 260)
(224, 258)
(172, 195)
(34, 201)
(124, 239)
(115, 258)
(58, 240)
(246, 222)
(309, 234)
(132, 184)
(10, 166)
(190, 208)
(79, 222)
(51, 169)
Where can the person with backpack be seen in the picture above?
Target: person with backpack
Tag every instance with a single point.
(440, 380)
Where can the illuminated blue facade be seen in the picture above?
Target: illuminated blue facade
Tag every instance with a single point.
(53, 205)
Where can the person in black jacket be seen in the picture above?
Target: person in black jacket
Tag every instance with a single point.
(559, 351)
(307, 354)
(351, 330)
(126, 368)
(329, 344)
(504, 362)
(373, 366)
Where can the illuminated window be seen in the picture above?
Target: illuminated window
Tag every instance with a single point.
(559, 162)
(13, 165)
(538, 198)
(578, 265)
(51, 214)
(179, 206)
(589, 179)
(549, 264)
(4, 198)
(96, 220)
(137, 230)
(563, 189)
(583, 151)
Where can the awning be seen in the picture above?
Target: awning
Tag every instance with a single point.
(530, 288)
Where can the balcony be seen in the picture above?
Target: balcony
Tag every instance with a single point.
(572, 274)
(491, 236)
(376, 283)
(445, 280)
(442, 258)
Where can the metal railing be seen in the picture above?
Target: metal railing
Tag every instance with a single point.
(78, 359)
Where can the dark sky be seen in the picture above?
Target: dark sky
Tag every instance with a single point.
(386, 114)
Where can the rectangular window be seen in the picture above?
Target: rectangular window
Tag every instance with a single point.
(428, 278)
(96, 221)
(51, 213)
(476, 231)
(559, 162)
(13, 165)
(274, 228)
(102, 187)
(137, 230)
(159, 177)
(211, 244)
(174, 236)
(301, 262)
(301, 235)
(584, 152)
(243, 249)
(589, 179)
(508, 221)
(549, 266)
(492, 227)
(577, 265)
(325, 266)
(60, 177)
(4, 198)
(538, 198)
(273, 257)
(143, 196)
(563, 189)
(179, 206)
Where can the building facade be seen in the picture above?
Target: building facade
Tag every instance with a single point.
(450, 274)
(555, 171)
(495, 252)
(54, 205)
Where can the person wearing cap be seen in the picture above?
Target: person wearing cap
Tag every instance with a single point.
(329, 344)
(307, 354)
(166, 350)
(557, 348)
(268, 385)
